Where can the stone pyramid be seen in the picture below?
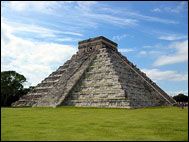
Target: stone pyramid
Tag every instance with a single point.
(97, 76)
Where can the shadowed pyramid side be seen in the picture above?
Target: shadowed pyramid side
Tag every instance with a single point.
(141, 90)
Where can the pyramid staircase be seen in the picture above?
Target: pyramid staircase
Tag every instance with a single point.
(99, 76)
(59, 78)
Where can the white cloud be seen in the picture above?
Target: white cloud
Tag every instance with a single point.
(150, 18)
(136, 15)
(156, 74)
(156, 10)
(147, 46)
(40, 6)
(73, 33)
(172, 37)
(39, 31)
(82, 12)
(86, 5)
(85, 14)
(70, 39)
(117, 20)
(143, 53)
(125, 50)
(181, 6)
(119, 37)
(149, 53)
(181, 54)
(35, 60)
(127, 17)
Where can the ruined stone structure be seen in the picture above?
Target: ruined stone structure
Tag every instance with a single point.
(97, 76)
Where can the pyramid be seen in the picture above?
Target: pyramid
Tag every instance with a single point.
(96, 76)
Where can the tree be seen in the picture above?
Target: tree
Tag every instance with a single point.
(11, 87)
(181, 98)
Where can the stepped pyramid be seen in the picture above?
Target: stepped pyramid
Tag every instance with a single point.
(97, 76)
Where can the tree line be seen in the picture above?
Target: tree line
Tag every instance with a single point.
(12, 88)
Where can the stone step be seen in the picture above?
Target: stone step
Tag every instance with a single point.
(24, 103)
(46, 85)
(101, 71)
(101, 86)
(67, 62)
(57, 75)
(61, 72)
(70, 64)
(28, 97)
(61, 68)
(65, 66)
(52, 78)
(38, 94)
(46, 82)
(101, 99)
(40, 90)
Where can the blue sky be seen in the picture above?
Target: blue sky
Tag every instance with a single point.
(38, 37)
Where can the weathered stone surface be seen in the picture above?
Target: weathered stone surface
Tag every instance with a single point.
(97, 76)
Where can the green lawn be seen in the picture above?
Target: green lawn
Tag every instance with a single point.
(71, 123)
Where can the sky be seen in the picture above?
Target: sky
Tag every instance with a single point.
(39, 36)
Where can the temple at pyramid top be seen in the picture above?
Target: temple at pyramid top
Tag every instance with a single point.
(97, 42)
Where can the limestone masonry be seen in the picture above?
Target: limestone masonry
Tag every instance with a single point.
(96, 76)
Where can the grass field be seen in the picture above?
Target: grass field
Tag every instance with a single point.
(70, 123)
